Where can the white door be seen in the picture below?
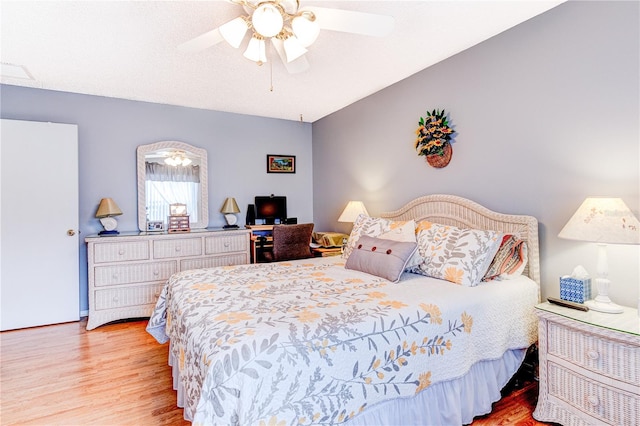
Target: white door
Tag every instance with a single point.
(39, 246)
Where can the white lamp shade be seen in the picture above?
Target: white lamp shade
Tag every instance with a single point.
(603, 220)
(352, 211)
(293, 49)
(234, 31)
(305, 29)
(256, 50)
(267, 20)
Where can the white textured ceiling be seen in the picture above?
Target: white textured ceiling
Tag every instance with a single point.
(127, 49)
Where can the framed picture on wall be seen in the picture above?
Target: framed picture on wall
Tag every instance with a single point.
(281, 163)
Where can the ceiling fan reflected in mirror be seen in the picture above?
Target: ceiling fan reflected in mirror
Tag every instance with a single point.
(290, 29)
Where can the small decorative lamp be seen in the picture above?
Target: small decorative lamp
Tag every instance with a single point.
(229, 209)
(603, 221)
(351, 212)
(106, 210)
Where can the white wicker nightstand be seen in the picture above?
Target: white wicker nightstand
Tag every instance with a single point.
(589, 366)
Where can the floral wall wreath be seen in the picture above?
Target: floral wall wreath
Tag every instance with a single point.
(435, 137)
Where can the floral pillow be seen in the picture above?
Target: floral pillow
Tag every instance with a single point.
(374, 227)
(461, 256)
(510, 260)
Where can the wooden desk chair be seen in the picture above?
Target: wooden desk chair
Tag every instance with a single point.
(290, 242)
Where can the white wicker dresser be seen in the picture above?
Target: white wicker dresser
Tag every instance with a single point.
(589, 367)
(126, 272)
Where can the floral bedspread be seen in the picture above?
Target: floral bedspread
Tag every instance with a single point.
(309, 342)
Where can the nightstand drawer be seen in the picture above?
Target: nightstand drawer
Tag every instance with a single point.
(134, 273)
(226, 244)
(122, 297)
(121, 251)
(177, 248)
(595, 353)
(606, 404)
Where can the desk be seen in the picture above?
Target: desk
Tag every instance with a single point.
(257, 232)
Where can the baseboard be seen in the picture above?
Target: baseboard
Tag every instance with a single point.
(84, 314)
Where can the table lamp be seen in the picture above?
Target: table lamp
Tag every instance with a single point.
(603, 221)
(350, 214)
(229, 209)
(106, 210)
(352, 210)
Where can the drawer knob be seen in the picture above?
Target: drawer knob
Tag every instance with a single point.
(227, 243)
(156, 272)
(593, 355)
(121, 252)
(177, 248)
(593, 400)
(115, 299)
(115, 276)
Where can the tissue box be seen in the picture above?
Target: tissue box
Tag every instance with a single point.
(575, 289)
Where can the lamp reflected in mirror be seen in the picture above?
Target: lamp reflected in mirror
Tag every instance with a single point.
(229, 209)
(106, 212)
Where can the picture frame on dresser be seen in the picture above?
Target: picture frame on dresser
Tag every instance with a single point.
(155, 226)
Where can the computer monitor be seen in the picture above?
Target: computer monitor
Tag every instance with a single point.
(271, 207)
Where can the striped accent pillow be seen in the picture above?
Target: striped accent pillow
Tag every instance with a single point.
(510, 260)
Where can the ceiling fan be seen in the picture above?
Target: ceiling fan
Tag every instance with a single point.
(290, 29)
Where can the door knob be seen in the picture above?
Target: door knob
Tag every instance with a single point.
(71, 232)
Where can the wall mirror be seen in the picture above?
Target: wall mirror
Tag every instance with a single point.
(172, 172)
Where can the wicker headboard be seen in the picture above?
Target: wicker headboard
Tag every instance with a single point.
(463, 213)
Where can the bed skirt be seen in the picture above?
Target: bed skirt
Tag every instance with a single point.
(449, 403)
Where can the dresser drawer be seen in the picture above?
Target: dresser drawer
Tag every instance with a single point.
(210, 262)
(595, 353)
(226, 244)
(134, 273)
(122, 251)
(122, 297)
(608, 405)
(177, 248)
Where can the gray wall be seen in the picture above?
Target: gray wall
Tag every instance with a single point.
(109, 130)
(546, 114)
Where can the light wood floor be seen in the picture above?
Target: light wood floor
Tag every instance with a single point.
(117, 374)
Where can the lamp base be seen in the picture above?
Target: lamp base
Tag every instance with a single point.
(230, 227)
(105, 232)
(607, 307)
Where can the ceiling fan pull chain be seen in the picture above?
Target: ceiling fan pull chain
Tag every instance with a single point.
(270, 73)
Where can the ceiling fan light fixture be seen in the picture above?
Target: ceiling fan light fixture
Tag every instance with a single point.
(256, 50)
(293, 48)
(306, 28)
(267, 19)
(178, 158)
(234, 31)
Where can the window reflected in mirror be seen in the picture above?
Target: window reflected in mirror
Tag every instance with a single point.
(168, 184)
(172, 173)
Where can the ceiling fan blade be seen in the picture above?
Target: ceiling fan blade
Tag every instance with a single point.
(203, 41)
(294, 67)
(353, 22)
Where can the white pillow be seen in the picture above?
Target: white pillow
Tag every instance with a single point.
(372, 227)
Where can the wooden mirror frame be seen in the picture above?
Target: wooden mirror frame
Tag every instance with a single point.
(142, 150)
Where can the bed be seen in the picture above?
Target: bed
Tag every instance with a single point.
(318, 341)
